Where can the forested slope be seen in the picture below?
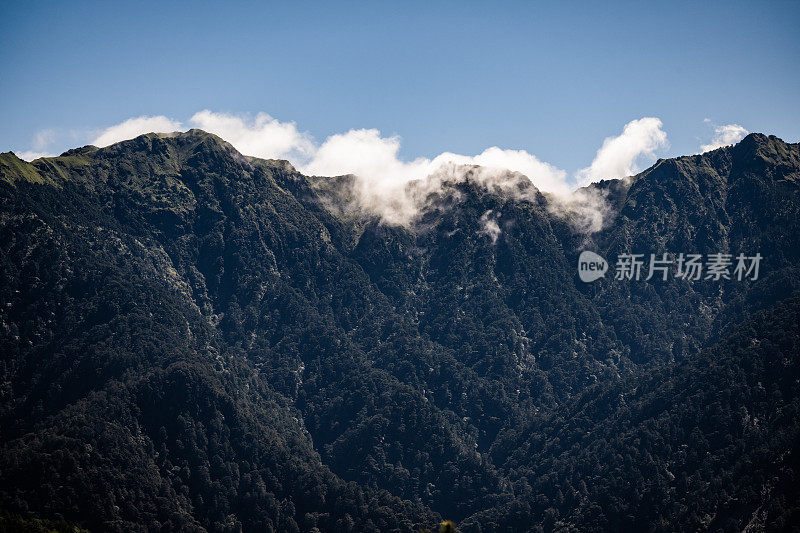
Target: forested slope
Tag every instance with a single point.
(194, 339)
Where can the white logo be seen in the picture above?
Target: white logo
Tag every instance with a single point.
(591, 266)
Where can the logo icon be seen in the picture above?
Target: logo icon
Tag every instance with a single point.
(591, 266)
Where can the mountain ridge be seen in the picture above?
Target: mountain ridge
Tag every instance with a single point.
(170, 283)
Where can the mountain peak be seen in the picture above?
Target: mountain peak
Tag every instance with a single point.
(767, 149)
(756, 137)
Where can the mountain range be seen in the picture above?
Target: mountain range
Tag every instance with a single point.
(196, 340)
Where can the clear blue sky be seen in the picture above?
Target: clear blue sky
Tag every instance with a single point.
(446, 76)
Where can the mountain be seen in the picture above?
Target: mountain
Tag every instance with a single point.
(193, 339)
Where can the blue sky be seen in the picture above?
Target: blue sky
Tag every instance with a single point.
(553, 80)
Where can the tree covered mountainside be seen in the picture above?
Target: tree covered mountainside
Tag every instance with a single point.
(192, 339)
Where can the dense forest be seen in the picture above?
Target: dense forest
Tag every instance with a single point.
(195, 340)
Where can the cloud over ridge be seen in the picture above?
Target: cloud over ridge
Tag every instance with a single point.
(369, 155)
(382, 177)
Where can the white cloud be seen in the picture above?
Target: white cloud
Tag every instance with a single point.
(382, 177)
(367, 155)
(30, 155)
(263, 136)
(619, 156)
(374, 158)
(133, 127)
(489, 226)
(724, 136)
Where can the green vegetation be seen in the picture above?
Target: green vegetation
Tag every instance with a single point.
(13, 168)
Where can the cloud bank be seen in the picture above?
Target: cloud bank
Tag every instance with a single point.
(725, 135)
(373, 157)
(382, 178)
